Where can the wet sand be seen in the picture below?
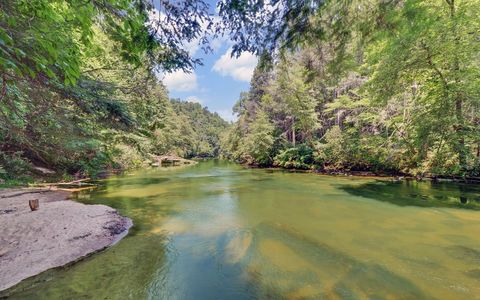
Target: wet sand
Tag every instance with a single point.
(61, 231)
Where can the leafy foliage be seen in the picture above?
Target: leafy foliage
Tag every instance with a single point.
(389, 87)
(356, 85)
(203, 139)
(79, 92)
(300, 157)
(263, 27)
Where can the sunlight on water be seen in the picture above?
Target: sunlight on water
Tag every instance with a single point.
(220, 231)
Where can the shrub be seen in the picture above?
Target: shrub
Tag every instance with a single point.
(300, 157)
(13, 166)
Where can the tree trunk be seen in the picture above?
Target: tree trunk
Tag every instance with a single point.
(462, 155)
(460, 121)
(293, 132)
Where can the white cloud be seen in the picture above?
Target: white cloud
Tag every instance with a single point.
(194, 99)
(218, 42)
(192, 47)
(227, 115)
(181, 81)
(240, 68)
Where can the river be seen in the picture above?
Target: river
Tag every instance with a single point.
(217, 230)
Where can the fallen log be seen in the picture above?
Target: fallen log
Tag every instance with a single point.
(26, 192)
(169, 159)
(79, 182)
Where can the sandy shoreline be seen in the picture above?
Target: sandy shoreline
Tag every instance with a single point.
(60, 232)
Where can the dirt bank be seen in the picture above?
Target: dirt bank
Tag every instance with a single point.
(61, 231)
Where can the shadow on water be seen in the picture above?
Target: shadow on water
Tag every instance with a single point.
(423, 194)
(334, 273)
(271, 261)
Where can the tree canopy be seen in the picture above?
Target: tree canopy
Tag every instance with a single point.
(79, 91)
(387, 86)
(367, 85)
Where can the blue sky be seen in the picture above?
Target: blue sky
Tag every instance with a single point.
(218, 83)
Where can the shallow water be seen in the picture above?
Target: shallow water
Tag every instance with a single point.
(220, 231)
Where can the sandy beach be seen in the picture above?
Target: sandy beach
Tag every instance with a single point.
(60, 232)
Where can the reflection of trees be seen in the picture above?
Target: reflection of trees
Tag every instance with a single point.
(424, 194)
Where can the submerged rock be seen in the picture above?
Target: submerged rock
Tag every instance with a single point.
(464, 253)
(334, 273)
(475, 273)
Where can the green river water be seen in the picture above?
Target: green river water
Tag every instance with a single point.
(220, 231)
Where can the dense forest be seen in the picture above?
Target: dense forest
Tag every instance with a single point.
(202, 132)
(383, 86)
(79, 91)
(386, 86)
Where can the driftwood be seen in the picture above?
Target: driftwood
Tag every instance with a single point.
(63, 185)
(71, 186)
(23, 193)
(169, 159)
(77, 185)
(79, 181)
(77, 189)
(34, 204)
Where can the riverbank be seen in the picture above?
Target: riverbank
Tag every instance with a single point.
(61, 231)
(402, 176)
(371, 174)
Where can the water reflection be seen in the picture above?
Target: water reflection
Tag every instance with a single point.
(424, 194)
(220, 231)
